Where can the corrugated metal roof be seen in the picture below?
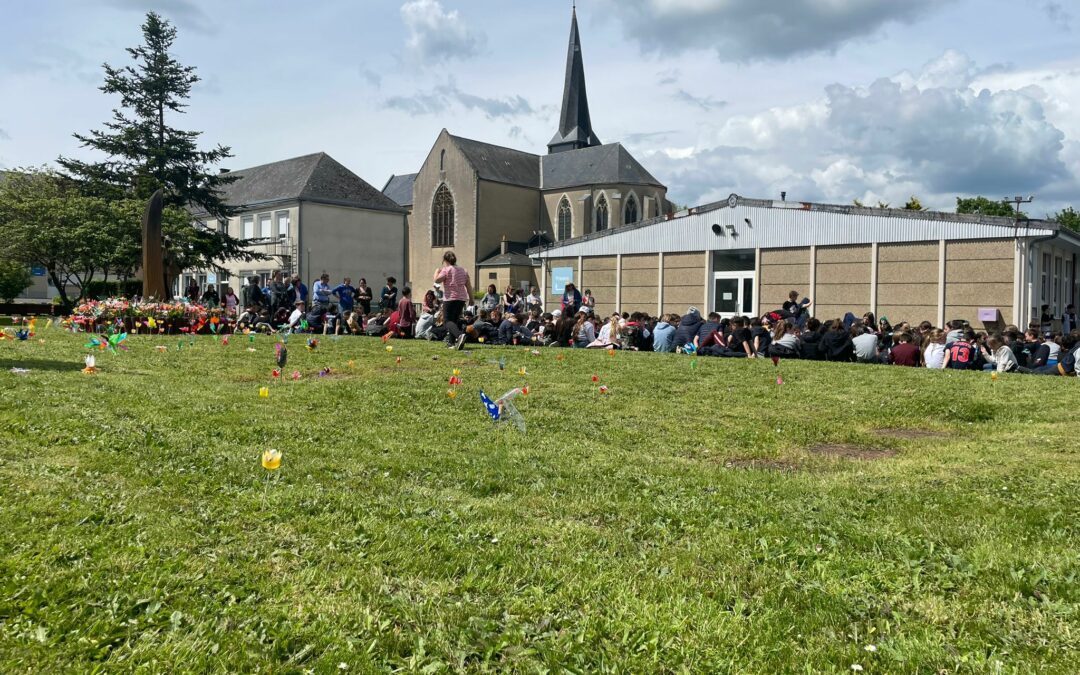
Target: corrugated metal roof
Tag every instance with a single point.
(768, 224)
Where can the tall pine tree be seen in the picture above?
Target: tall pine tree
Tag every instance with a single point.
(144, 152)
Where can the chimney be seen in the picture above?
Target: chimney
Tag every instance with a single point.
(504, 246)
(783, 196)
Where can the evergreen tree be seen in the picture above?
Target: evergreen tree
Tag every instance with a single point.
(144, 152)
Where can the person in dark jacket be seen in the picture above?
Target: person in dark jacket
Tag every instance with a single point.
(688, 327)
(810, 340)
(836, 343)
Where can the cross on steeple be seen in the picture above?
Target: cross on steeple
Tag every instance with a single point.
(575, 125)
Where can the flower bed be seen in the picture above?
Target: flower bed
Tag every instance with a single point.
(97, 316)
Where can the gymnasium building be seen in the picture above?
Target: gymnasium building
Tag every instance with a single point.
(743, 256)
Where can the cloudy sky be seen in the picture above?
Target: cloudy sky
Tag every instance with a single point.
(829, 100)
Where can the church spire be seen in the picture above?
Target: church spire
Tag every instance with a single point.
(575, 126)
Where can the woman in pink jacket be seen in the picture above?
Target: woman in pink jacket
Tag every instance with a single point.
(456, 293)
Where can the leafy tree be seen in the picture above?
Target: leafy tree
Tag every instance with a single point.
(1067, 218)
(145, 153)
(14, 279)
(46, 221)
(914, 204)
(880, 204)
(986, 207)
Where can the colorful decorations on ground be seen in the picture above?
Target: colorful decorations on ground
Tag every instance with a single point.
(110, 342)
(503, 409)
(148, 317)
(91, 365)
(271, 460)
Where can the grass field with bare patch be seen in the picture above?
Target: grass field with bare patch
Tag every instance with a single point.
(698, 519)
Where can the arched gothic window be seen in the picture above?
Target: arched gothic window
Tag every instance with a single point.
(566, 220)
(601, 214)
(442, 218)
(631, 215)
(442, 160)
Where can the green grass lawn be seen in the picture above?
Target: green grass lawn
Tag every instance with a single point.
(681, 522)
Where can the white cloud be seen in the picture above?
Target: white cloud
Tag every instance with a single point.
(438, 35)
(743, 30)
(931, 133)
(443, 97)
(184, 13)
(706, 103)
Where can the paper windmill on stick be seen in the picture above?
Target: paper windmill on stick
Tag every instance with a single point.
(503, 408)
(281, 353)
(112, 342)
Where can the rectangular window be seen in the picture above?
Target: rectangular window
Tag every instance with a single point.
(264, 226)
(248, 227)
(1057, 284)
(282, 224)
(1067, 284)
(1045, 278)
(223, 226)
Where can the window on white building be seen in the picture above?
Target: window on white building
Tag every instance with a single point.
(264, 226)
(248, 227)
(282, 224)
(1057, 284)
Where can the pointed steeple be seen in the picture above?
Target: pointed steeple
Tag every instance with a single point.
(575, 126)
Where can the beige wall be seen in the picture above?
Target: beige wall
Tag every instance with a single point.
(978, 274)
(782, 270)
(907, 287)
(461, 180)
(504, 211)
(598, 276)
(684, 281)
(843, 281)
(353, 242)
(511, 275)
(583, 202)
(640, 276)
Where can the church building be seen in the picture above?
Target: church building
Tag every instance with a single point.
(489, 203)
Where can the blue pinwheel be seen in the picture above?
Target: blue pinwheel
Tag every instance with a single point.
(492, 407)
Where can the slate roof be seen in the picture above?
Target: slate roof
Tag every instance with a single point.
(499, 164)
(575, 124)
(400, 189)
(315, 177)
(599, 165)
(602, 164)
(505, 259)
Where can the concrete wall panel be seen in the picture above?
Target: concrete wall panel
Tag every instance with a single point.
(983, 270)
(843, 254)
(856, 297)
(907, 294)
(927, 251)
(907, 272)
(980, 250)
(846, 273)
(785, 256)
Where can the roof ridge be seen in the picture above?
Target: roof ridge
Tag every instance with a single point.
(492, 145)
(280, 161)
